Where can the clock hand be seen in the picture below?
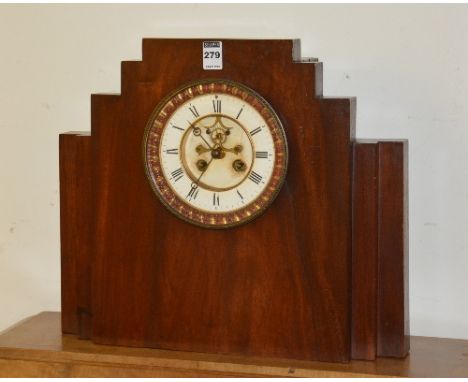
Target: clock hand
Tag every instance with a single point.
(204, 140)
(197, 133)
(195, 184)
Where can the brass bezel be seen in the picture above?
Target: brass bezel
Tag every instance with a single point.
(219, 220)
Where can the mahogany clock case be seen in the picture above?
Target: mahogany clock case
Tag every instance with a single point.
(321, 275)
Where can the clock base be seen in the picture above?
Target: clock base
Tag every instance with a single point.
(35, 347)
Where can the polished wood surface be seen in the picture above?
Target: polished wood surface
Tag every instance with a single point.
(36, 348)
(379, 325)
(75, 234)
(365, 251)
(392, 310)
(278, 286)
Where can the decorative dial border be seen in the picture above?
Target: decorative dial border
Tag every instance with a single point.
(151, 154)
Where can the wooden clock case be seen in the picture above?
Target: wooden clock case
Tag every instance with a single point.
(321, 275)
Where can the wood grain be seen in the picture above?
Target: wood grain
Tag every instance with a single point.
(392, 312)
(365, 251)
(379, 324)
(267, 288)
(280, 286)
(36, 348)
(75, 234)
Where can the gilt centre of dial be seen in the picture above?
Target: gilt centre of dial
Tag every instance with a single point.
(218, 147)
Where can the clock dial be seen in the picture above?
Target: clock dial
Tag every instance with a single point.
(215, 153)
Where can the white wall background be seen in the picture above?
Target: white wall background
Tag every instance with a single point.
(407, 65)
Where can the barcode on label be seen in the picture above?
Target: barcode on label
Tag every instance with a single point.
(212, 55)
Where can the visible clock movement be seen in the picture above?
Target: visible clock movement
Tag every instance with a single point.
(220, 204)
(215, 153)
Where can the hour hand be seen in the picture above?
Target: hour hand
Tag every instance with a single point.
(200, 149)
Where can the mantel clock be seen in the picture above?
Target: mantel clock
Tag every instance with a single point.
(221, 204)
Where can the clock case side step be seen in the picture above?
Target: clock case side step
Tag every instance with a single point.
(77, 222)
(392, 308)
(75, 233)
(379, 325)
(338, 117)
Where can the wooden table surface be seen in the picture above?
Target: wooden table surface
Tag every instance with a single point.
(35, 347)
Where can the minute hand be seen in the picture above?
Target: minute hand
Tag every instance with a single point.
(198, 179)
(197, 133)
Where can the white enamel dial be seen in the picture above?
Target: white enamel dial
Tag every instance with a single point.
(216, 153)
(237, 133)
